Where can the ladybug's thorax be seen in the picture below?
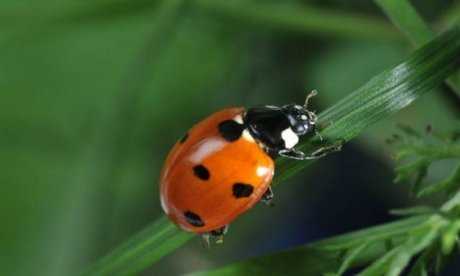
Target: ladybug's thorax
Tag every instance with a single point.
(279, 128)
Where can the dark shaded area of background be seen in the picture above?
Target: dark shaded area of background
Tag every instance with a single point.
(93, 94)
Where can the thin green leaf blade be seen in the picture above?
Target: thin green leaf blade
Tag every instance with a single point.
(452, 203)
(406, 18)
(448, 185)
(395, 260)
(418, 241)
(381, 233)
(141, 250)
(351, 256)
(412, 211)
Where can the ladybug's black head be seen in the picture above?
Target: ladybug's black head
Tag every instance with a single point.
(279, 128)
(301, 120)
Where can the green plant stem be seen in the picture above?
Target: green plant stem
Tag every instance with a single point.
(141, 250)
(406, 18)
(302, 19)
(436, 151)
(382, 96)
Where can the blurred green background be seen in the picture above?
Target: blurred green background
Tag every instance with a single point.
(94, 93)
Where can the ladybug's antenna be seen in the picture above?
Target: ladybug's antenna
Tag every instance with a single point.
(312, 114)
(309, 96)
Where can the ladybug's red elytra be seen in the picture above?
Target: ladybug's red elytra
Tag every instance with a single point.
(224, 164)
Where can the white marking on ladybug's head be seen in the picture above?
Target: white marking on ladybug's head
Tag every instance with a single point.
(247, 136)
(262, 171)
(205, 148)
(303, 117)
(290, 138)
(239, 119)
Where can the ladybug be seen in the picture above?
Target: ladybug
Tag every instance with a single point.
(224, 164)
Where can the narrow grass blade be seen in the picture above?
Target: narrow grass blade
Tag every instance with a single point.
(448, 185)
(141, 250)
(406, 18)
(394, 262)
(352, 256)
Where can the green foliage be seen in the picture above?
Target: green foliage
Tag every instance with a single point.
(385, 94)
(403, 15)
(142, 250)
(93, 93)
(417, 152)
(335, 255)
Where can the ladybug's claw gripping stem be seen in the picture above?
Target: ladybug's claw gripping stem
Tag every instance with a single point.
(267, 198)
(206, 240)
(216, 236)
(321, 152)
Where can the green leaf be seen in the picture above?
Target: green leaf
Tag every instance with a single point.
(417, 242)
(418, 168)
(382, 96)
(448, 185)
(403, 15)
(450, 237)
(411, 211)
(420, 266)
(452, 203)
(324, 256)
(381, 233)
(394, 262)
(406, 18)
(141, 250)
(351, 256)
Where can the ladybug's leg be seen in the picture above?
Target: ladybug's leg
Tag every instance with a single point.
(267, 198)
(321, 152)
(218, 234)
(206, 239)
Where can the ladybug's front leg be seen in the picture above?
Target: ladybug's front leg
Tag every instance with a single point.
(216, 236)
(267, 198)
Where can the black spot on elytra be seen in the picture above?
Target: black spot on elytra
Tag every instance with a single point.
(242, 190)
(193, 219)
(201, 172)
(230, 130)
(184, 138)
